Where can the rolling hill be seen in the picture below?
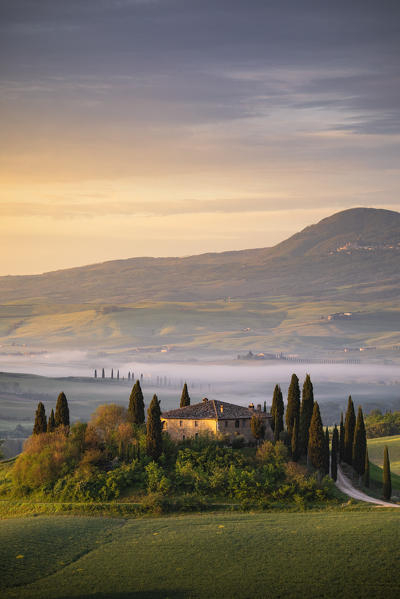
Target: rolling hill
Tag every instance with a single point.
(352, 254)
(272, 299)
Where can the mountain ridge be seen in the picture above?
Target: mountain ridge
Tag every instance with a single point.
(315, 259)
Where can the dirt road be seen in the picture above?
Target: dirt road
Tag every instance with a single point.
(344, 484)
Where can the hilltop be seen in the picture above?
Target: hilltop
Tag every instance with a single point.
(352, 253)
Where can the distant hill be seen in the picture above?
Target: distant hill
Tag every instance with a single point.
(352, 254)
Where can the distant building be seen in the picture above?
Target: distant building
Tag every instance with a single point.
(213, 417)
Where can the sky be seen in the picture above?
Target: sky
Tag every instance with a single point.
(176, 127)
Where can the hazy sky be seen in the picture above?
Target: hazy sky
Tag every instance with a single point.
(171, 127)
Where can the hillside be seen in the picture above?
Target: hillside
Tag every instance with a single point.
(354, 253)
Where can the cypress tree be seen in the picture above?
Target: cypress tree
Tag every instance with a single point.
(103, 374)
(295, 446)
(349, 425)
(129, 375)
(40, 425)
(326, 452)
(277, 411)
(95, 373)
(387, 480)
(306, 410)
(257, 427)
(334, 453)
(341, 439)
(359, 444)
(185, 399)
(293, 404)
(265, 406)
(316, 440)
(366, 470)
(154, 428)
(51, 424)
(136, 405)
(62, 411)
(112, 373)
(118, 374)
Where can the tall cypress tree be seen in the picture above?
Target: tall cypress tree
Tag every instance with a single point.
(293, 404)
(366, 470)
(112, 373)
(61, 416)
(359, 444)
(103, 374)
(295, 445)
(277, 411)
(306, 410)
(118, 375)
(154, 428)
(316, 440)
(136, 405)
(349, 426)
(387, 479)
(334, 453)
(95, 373)
(40, 425)
(265, 406)
(341, 439)
(326, 452)
(185, 399)
(129, 375)
(51, 423)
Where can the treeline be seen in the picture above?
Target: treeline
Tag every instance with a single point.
(382, 425)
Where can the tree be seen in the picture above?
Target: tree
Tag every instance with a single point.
(341, 439)
(154, 428)
(265, 406)
(136, 405)
(326, 452)
(293, 404)
(95, 373)
(359, 444)
(129, 375)
(316, 440)
(118, 374)
(366, 470)
(62, 411)
(295, 445)
(51, 424)
(103, 374)
(349, 426)
(185, 399)
(40, 425)
(257, 426)
(334, 453)
(277, 411)
(105, 421)
(306, 410)
(387, 479)
(112, 373)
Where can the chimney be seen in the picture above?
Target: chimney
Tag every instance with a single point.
(205, 399)
(251, 406)
(258, 407)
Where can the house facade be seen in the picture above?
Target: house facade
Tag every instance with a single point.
(213, 417)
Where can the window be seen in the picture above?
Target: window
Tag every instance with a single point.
(164, 424)
(180, 422)
(243, 422)
(237, 423)
(183, 437)
(196, 423)
(196, 435)
(226, 424)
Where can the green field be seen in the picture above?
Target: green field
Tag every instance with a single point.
(330, 554)
(376, 448)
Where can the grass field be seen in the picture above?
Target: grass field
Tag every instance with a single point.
(330, 554)
(376, 448)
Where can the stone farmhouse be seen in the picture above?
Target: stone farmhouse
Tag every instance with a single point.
(213, 417)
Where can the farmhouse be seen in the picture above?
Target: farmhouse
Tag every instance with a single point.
(213, 417)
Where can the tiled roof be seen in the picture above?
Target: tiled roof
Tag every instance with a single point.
(211, 409)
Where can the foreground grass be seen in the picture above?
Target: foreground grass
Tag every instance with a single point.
(331, 554)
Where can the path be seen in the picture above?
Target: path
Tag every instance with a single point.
(344, 484)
